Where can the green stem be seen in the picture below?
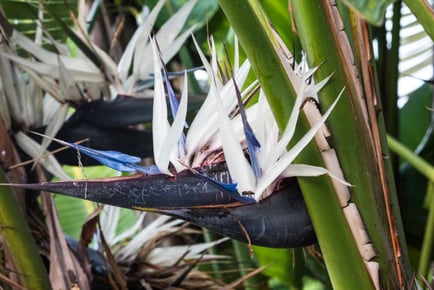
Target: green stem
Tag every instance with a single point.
(342, 258)
(210, 237)
(245, 265)
(417, 162)
(428, 239)
(20, 243)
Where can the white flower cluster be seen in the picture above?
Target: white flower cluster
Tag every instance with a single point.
(213, 130)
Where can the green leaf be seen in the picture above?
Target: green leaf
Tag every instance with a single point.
(23, 14)
(85, 48)
(202, 12)
(126, 220)
(415, 117)
(372, 10)
(73, 212)
(280, 263)
(278, 11)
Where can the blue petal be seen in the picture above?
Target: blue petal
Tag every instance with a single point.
(173, 101)
(116, 160)
(228, 188)
(174, 104)
(148, 170)
(113, 159)
(115, 155)
(253, 144)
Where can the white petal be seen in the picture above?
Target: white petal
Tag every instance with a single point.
(266, 130)
(137, 45)
(277, 169)
(52, 71)
(32, 148)
(157, 226)
(205, 123)
(280, 147)
(166, 37)
(160, 125)
(310, 170)
(177, 129)
(313, 89)
(238, 166)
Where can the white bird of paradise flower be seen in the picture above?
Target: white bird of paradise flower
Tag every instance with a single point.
(212, 130)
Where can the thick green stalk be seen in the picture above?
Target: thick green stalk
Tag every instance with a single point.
(20, 243)
(353, 141)
(343, 261)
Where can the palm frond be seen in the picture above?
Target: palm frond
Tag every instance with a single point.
(415, 53)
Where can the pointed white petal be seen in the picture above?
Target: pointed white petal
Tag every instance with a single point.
(280, 147)
(214, 58)
(165, 37)
(266, 130)
(313, 89)
(170, 144)
(173, 48)
(160, 125)
(307, 73)
(205, 124)
(299, 146)
(238, 166)
(310, 170)
(137, 45)
(277, 169)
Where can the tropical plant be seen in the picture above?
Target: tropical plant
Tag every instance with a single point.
(321, 51)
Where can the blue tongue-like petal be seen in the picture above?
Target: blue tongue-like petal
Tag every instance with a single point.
(253, 144)
(228, 188)
(174, 104)
(113, 159)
